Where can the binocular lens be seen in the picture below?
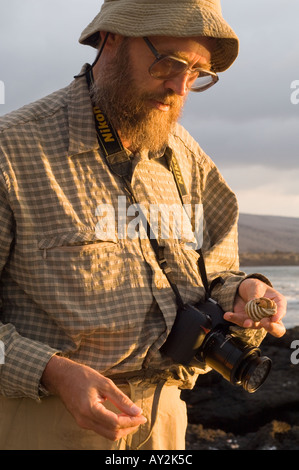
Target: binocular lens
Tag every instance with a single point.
(238, 363)
(256, 373)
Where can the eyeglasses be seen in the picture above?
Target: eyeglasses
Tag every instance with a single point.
(167, 67)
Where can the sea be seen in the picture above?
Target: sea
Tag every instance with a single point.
(285, 279)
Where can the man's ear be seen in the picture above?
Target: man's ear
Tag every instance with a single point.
(108, 53)
(113, 41)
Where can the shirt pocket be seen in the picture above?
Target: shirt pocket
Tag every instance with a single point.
(79, 261)
(84, 280)
(95, 283)
(76, 242)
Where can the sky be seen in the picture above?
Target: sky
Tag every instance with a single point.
(248, 123)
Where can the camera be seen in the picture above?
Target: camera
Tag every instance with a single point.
(201, 335)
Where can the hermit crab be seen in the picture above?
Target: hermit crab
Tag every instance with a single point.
(260, 308)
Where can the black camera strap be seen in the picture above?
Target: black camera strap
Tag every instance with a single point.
(120, 164)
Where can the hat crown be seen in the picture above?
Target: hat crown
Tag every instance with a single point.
(177, 18)
(212, 4)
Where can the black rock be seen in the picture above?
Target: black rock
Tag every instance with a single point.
(224, 416)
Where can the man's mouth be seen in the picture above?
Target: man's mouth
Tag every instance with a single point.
(160, 105)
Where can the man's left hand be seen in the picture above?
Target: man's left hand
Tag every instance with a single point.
(251, 289)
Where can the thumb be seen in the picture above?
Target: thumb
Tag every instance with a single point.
(251, 289)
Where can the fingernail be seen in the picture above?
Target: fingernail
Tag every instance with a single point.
(136, 410)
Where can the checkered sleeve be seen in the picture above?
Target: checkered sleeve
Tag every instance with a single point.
(221, 256)
(225, 294)
(24, 359)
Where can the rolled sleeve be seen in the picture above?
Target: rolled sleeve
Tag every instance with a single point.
(24, 363)
(225, 291)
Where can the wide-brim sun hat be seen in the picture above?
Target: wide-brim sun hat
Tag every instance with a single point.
(176, 18)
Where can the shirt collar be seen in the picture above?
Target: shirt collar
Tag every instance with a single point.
(82, 133)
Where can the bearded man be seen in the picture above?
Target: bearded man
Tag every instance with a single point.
(85, 313)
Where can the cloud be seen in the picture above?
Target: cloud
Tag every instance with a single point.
(271, 141)
(246, 120)
(264, 190)
(39, 49)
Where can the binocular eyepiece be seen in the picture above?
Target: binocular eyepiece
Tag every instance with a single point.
(201, 334)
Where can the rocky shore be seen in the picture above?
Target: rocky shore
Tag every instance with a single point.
(277, 258)
(225, 417)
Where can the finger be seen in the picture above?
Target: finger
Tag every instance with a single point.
(107, 415)
(241, 319)
(112, 432)
(252, 288)
(236, 318)
(115, 434)
(106, 422)
(112, 393)
(130, 421)
(112, 420)
(281, 303)
(248, 323)
(276, 329)
(109, 424)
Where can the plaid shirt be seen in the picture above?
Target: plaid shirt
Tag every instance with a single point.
(67, 289)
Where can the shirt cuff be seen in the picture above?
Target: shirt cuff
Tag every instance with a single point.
(225, 292)
(24, 364)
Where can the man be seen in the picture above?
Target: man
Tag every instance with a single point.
(86, 308)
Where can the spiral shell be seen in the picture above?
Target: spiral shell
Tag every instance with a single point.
(260, 308)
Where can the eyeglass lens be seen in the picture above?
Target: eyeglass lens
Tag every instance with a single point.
(168, 67)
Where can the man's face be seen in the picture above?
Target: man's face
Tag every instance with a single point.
(142, 108)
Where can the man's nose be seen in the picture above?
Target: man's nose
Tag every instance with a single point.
(179, 84)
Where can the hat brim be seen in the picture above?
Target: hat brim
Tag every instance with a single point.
(182, 19)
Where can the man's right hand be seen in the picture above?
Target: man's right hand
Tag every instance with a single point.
(83, 392)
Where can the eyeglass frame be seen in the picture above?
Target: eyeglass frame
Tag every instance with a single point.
(159, 57)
